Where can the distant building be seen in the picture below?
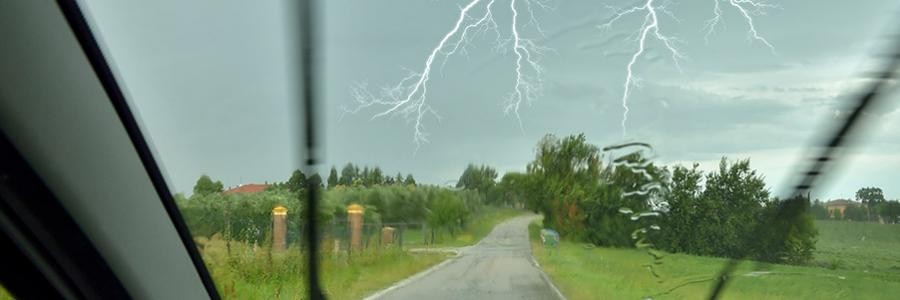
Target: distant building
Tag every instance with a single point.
(839, 205)
(249, 188)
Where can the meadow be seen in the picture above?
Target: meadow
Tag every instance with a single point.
(852, 261)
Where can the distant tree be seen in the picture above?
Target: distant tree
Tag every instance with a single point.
(377, 176)
(409, 180)
(348, 174)
(365, 177)
(297, 181)
(398, 179)
(819, 211)
(870, 197)
(837, 214)
(332, 178)
(480, 178)
(315, 181)
(205, 186)
(854, 212)
(890, 211)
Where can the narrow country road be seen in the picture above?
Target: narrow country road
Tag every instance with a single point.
(498, 267)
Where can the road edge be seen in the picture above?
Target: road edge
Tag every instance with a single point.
(547, 278)
(411, 279)
(538, 266)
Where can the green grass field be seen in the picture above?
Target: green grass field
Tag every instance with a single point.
(858, 246)
(867, 270)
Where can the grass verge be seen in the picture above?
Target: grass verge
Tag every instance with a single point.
(249, 272)
(583, 272)
(479, 227)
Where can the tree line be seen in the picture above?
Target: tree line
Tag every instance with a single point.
(396, 199)
(870, 205)
(629, 201)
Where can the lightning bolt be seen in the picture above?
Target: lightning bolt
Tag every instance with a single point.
(747, 9)
(408, 98)
(650, 27)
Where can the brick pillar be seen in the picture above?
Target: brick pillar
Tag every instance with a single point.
(279, 228)
(355, 218)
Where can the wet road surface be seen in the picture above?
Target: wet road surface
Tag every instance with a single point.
(498, 267)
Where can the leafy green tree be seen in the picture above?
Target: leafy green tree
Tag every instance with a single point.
(565, 171)
(737, 195)
(480, 178)
(348, 174)
(512, 190)
(871, 198)
(409, 180)
(332, 178)
(315, 181)
(819, 211)
(205, 186)
(365, 177)
(446, 211)
(785, 233)
(890, 211)
(683, 224)
(297, 181)
(376, 176)
(398, 179)
(855, 212)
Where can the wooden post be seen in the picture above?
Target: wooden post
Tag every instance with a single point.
(279, 228)
(355, 218)
(387, 235)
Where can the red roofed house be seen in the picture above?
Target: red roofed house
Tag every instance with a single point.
(249, 188)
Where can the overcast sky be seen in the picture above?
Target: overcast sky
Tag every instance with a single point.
(208, 80)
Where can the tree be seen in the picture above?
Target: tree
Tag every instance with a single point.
(854, 212)
(348, 174)
(398, 179)
(315, 181)
(365, 177)
(409, 180)
(377, 176)
(332, 178)
(481, 179)
(737, 195)
(871, 198)
(683, 227)
(819, 211)
(297, 181)
(564, 171)
(890, 211)
(205, 186)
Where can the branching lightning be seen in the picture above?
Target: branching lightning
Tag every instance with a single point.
(747, 9)
(650, 27)
(408, 98)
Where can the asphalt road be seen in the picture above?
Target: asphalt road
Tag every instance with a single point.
(498, 267)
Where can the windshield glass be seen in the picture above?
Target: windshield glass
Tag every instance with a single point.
(523, 148)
